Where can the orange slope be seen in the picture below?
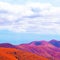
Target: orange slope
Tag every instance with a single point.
(15, 54)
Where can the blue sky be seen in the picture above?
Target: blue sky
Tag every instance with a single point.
(28, 20)
(19, 38)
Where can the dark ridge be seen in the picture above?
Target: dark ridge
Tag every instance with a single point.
(7, 45)
(55, 43)
(38, 43)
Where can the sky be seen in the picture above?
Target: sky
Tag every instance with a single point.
(24, 21)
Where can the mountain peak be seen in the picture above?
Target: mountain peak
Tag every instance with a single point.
(54, 40)
(38, 43)
(55, 43)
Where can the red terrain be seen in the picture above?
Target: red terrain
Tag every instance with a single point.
(49, 49)
(15, 54)
(37, 50)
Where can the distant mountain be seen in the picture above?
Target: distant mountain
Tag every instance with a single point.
(47, 49)
(42, 48)
(7, 45)
(55, 43)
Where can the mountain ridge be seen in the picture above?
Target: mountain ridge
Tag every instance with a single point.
(42, 48)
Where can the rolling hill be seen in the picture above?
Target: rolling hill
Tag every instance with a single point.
(15, 54)
(36, 50)
(43, 48)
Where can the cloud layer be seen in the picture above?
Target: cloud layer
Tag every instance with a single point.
(42, 18)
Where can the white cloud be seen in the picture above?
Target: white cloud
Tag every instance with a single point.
(31, 17)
